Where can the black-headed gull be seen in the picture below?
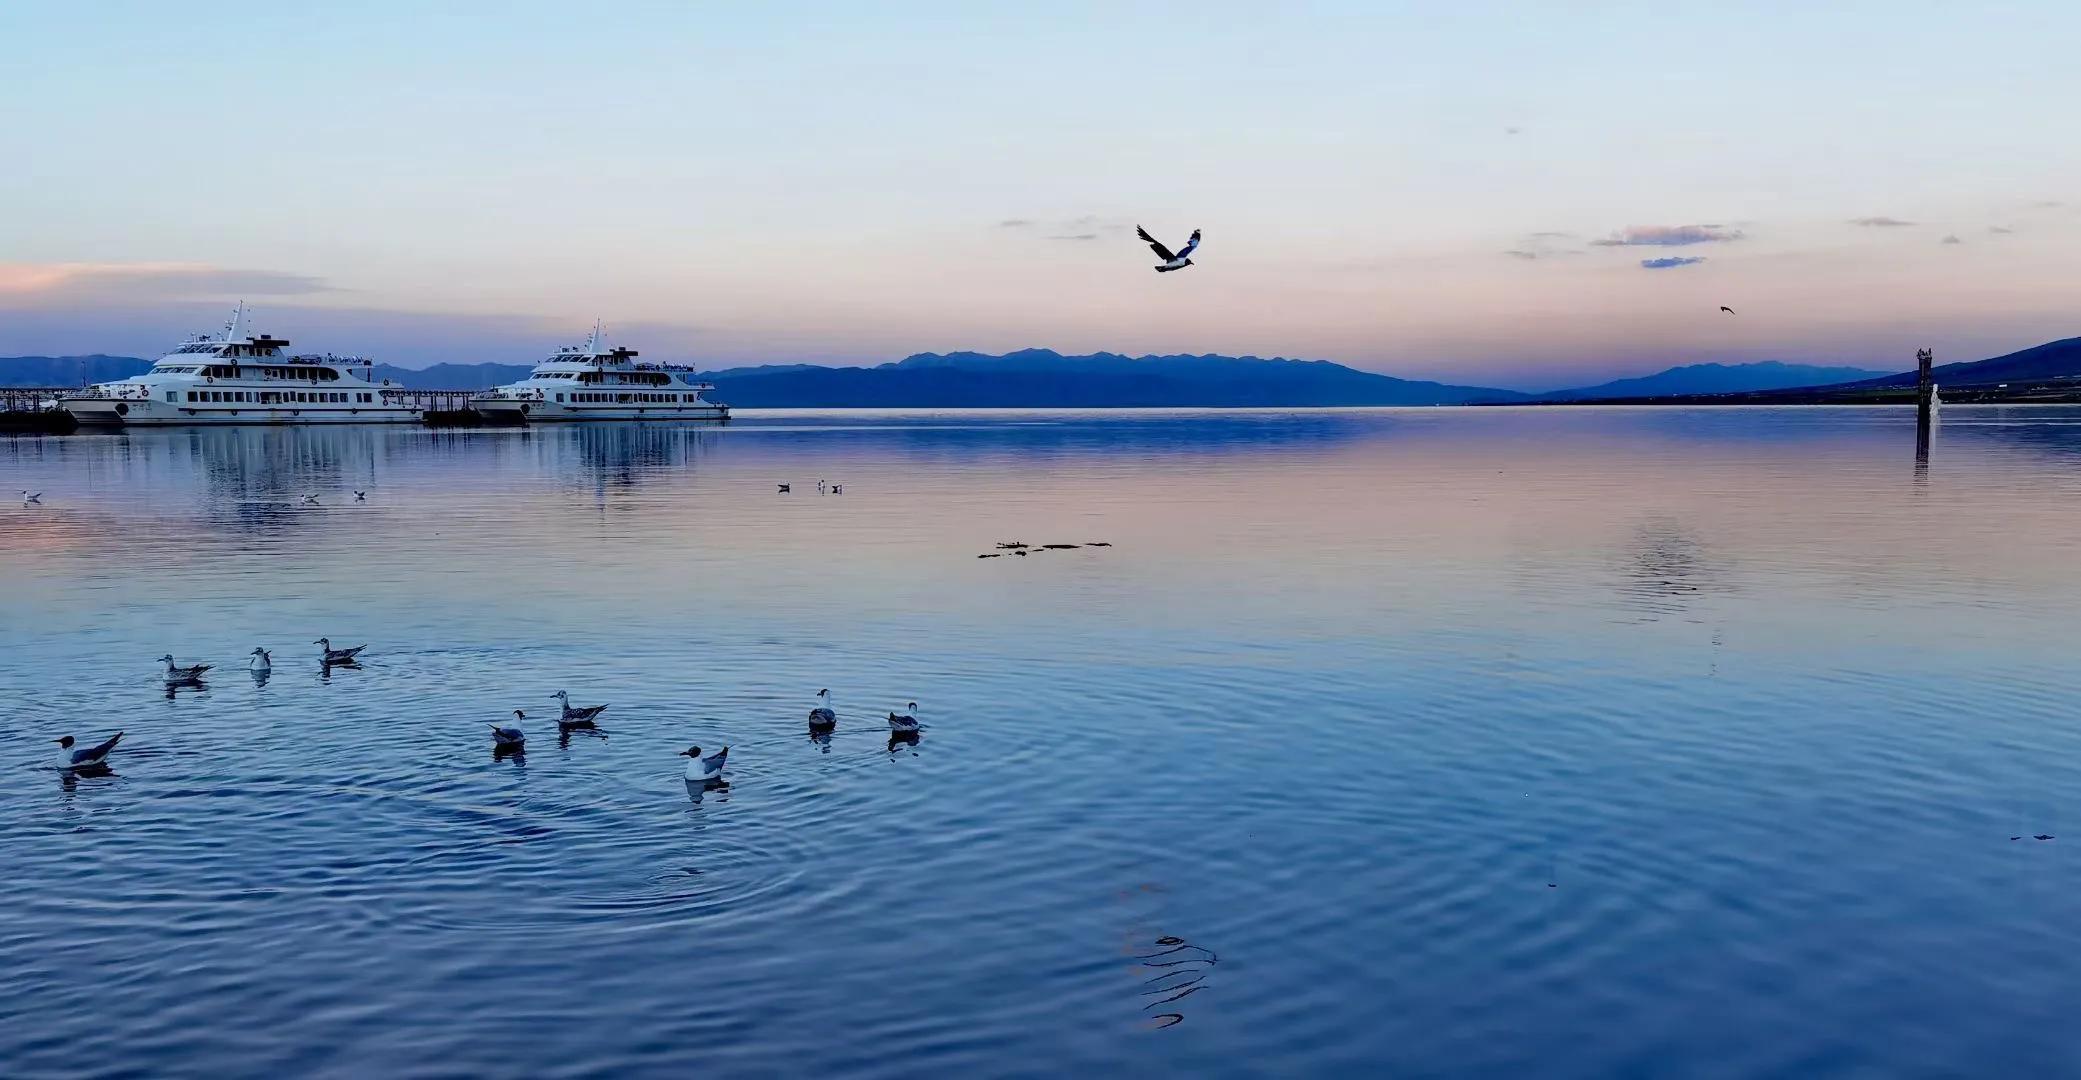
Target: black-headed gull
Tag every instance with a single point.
(822, 718)
(703, 769)
(29, 497)
(509, 735)
(87, 758)
(1178, 261)
(905, 721)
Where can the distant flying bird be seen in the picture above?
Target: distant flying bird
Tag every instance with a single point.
(838, 489)
(784, 489)
(1726, 309)
(85, 758)
(310, 500)
(31, 497)
(361, 496)
(2040, 836)
(1179, 261)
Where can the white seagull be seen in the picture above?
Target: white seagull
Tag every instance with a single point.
(338, 656)
(182, 674)
(310, 500)
(904, 721)
(703, 769)
(512, 735)
(1179, 261)
(821, 718)
(361, 496)
(87, 758)
(260, 660)
(29, 497)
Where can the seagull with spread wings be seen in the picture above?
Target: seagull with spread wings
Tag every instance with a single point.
(1179, 261)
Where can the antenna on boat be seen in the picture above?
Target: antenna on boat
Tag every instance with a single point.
(592, 344)
(238, 316)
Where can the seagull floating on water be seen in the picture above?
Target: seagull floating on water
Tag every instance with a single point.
(182, 674)
(580, 717)
(29, 497)
(261, 660)
(87, 758)
(1179, 261)
(338, 656)
(905, 721)
(822, 718)
(511, 735)
(703, 769)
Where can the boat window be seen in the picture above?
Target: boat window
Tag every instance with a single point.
(559, 399)
(170, 395)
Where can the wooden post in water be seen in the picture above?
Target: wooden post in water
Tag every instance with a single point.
(1923, 386)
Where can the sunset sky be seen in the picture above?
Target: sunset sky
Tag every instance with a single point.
(1479, 193)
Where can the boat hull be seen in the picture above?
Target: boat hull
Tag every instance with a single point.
(551, 412)
(145, 412)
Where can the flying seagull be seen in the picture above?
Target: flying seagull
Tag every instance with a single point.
(361, 496)
(1179, 261)
(87, 757)
(31, 497)
(1726, 309)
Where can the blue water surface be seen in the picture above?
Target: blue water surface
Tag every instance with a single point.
(1438, 742)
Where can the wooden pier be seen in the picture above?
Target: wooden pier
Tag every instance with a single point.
(22, 409)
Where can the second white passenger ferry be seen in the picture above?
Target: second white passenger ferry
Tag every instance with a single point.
(232, 380)
(598, 383)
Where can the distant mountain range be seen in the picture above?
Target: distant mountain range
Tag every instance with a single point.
(1718, 379)
(2052, 360)
(1042, 378)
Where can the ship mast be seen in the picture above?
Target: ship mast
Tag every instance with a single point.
(238, 317)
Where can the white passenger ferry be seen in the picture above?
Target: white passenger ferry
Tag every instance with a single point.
(232, 380)
(594, 382)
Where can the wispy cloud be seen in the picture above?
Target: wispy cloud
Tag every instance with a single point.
(1076, 236)
(1015, 223)
(1671, 262)
(1881, 222)
(1952, 239)
(1669, 236)
(1520, 253)
(2000, 230)
(149, 281)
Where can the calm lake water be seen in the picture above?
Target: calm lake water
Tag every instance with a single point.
(1555, 743)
